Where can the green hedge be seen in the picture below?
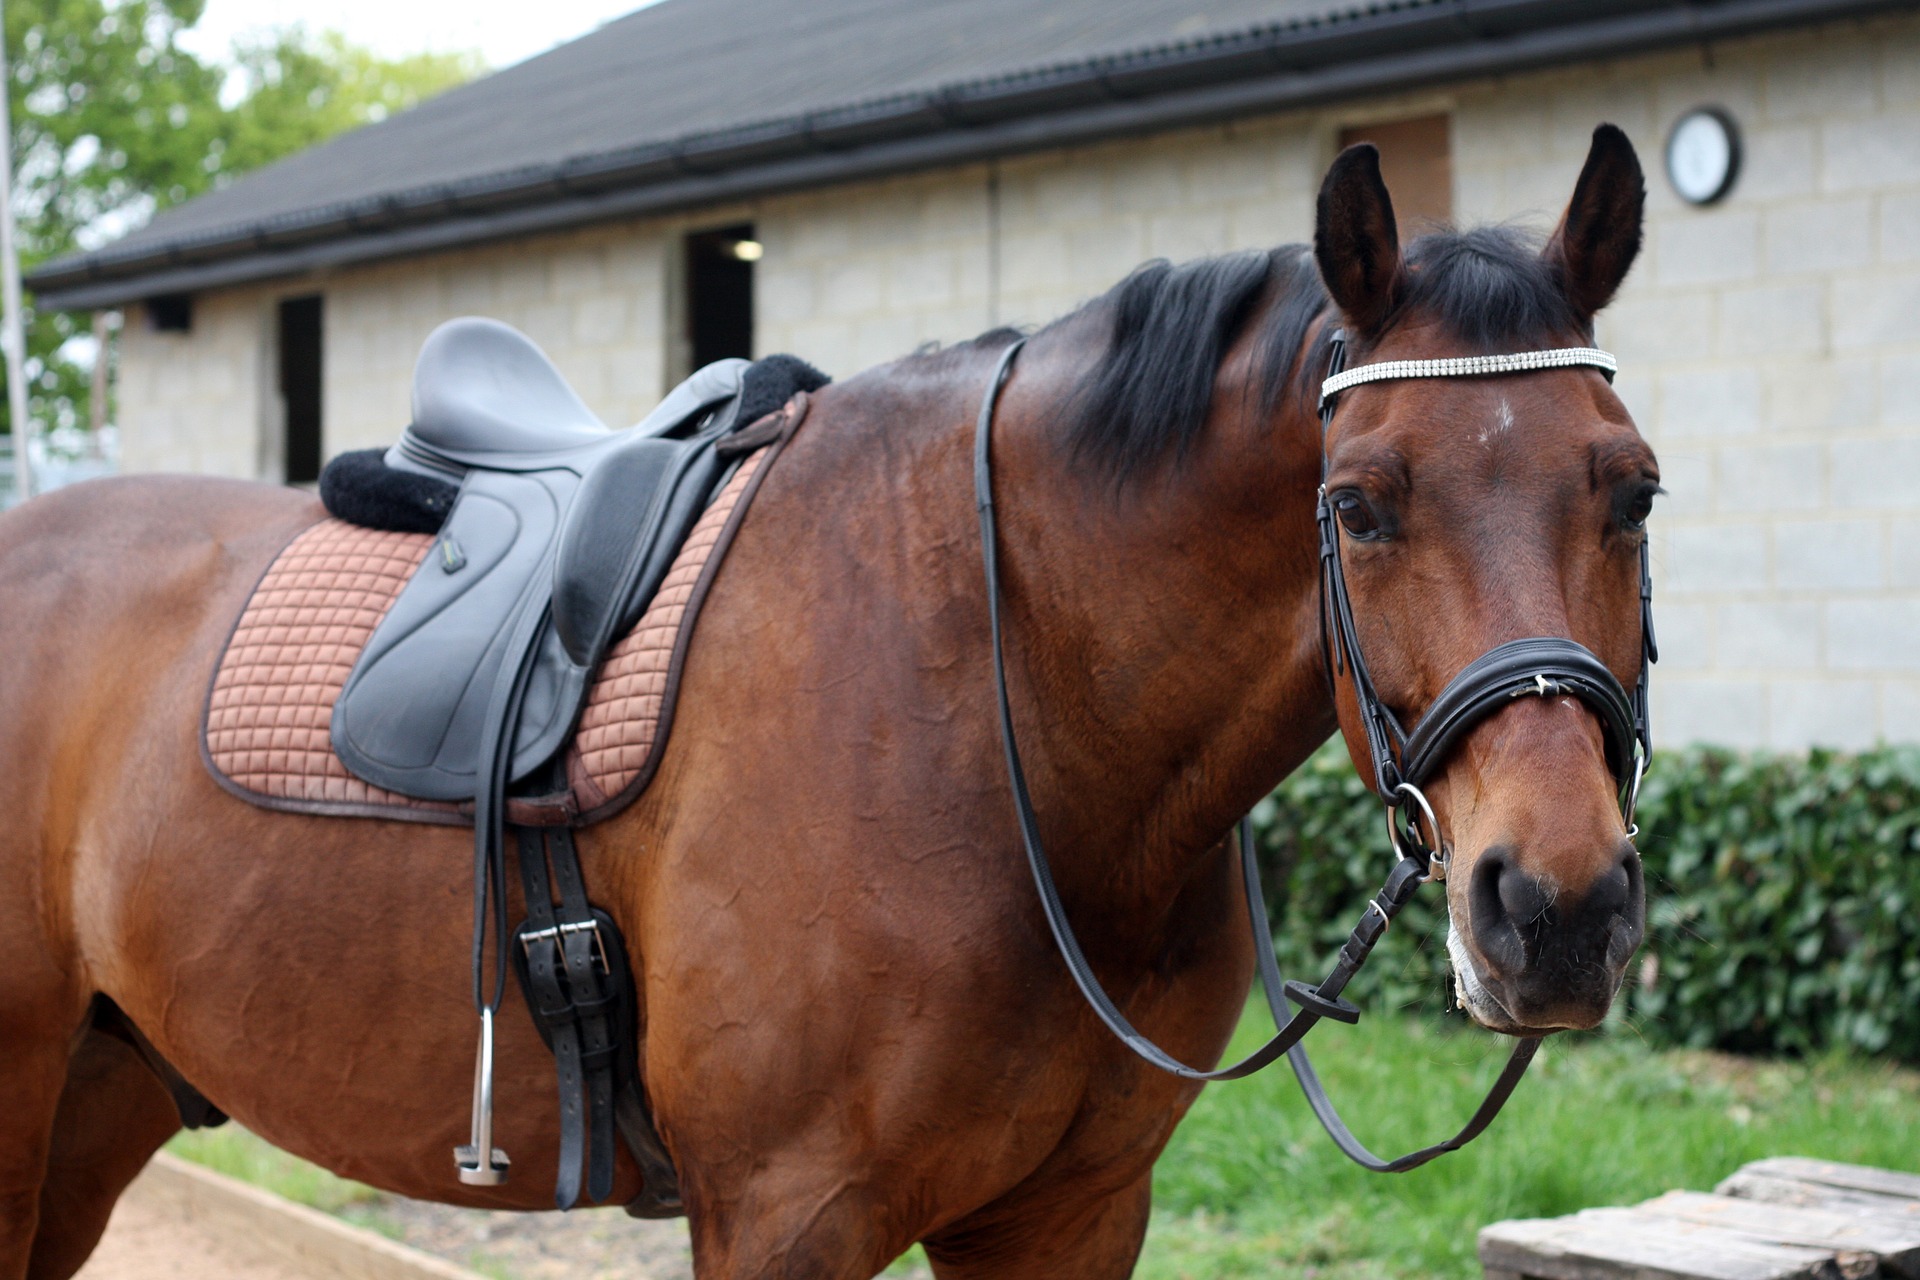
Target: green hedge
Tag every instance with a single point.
(1783, 897)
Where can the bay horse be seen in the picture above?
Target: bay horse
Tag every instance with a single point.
(858, 1034)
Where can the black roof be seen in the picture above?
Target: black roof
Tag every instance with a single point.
(698, 101)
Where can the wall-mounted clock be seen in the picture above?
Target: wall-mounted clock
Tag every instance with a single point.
(1703, 155)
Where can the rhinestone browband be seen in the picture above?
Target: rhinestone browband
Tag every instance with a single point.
(1470, 366)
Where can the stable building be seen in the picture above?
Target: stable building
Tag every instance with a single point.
(851, 179)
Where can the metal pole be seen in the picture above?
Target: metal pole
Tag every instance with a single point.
(12, 332)
(102, 335)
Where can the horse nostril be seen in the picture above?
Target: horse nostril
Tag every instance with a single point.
(1628, 919)
(1612, 893)
(1526, 900)
(1493, 915)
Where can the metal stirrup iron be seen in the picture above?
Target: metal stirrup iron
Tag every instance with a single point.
(474, 1171)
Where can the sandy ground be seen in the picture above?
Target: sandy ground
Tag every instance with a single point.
(145, 1241)
(152, 1241)
(587, 1244)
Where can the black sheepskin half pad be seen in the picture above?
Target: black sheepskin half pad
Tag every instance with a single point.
(770, 382)
(360, 488)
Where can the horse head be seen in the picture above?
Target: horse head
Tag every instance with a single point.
(1474, 511)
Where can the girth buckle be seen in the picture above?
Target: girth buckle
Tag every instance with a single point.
(558, 932)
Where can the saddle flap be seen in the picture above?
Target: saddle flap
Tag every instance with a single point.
(410, 716)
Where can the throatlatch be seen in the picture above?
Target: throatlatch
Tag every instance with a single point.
(1538, 666)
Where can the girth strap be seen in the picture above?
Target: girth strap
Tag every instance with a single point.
(572, 965)
(548, 989)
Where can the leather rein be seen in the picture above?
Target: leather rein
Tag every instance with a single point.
(1538, 666)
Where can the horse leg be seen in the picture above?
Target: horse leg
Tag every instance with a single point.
(114, 1114)
(1059, 1233)
(788, 1223)
(33, 1070)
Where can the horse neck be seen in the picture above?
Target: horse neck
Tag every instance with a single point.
(1163, 648)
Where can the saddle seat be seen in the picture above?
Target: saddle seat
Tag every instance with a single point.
(485, 396)
(559, 535)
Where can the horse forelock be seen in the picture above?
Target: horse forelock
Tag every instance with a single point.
(1166, 329)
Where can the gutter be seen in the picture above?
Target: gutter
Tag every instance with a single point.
(1409, 46)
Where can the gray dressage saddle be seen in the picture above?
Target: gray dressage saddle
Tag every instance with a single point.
(561, 532)
(553, 534)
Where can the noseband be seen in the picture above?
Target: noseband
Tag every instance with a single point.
(1540, 666)
(1537, 666)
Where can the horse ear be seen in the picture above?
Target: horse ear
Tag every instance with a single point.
(1355, 240)
(1599, 235)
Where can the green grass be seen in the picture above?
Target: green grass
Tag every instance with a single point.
(1250, 1185)
(238, 1154)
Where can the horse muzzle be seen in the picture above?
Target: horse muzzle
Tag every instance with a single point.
(1533, 958)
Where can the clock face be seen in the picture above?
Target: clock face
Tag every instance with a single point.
(1703, 155)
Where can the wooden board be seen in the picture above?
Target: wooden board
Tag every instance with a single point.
(1894, 1245)
(1843, 1177)
(1780, 1219)
(1627, 1244)
(1749, 1184)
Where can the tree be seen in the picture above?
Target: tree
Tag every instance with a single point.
(302, 89)
(113, 121)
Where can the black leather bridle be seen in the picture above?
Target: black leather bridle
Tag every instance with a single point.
(1402, 761)
(1537, 666)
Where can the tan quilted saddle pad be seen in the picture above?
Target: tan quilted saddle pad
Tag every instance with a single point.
(266, 735)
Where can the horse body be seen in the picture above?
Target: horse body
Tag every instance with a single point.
(857, 1033)
(308, 973)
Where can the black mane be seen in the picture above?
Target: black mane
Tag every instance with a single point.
(1169, 327)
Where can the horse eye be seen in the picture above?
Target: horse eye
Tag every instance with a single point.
(1637, 507)
(1355, 518)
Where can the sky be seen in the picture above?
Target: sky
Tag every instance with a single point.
(503, 31)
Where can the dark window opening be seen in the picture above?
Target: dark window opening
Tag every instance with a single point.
(171, 312)
(1416, 163)
(300, 386)
(720, 293)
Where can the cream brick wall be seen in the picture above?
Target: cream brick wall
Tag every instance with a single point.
(1770, 349)
(1770, 345)
(195, 401)
(856, 276)
(595, 301)
(208, 401)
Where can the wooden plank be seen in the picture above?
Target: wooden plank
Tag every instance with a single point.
(311, 1243)
(1892, 1244)
(1749, 1185)
(1625, 1244)
(1831, 1173)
